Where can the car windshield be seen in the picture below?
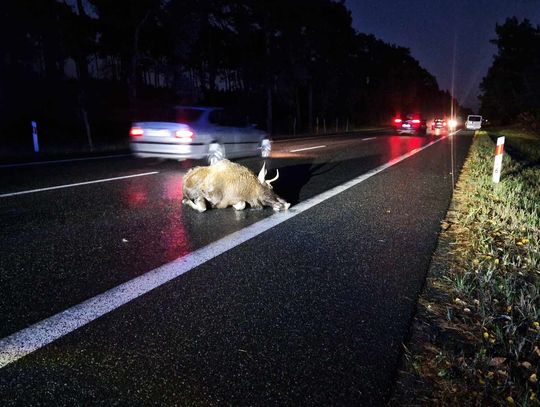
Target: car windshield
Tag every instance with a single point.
(475, 118)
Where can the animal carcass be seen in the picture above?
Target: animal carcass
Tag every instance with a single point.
(225, 183)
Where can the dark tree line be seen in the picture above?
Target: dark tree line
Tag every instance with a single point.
(85, 68)
(511, 88)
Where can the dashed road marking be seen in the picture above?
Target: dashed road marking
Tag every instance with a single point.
(102, 157)
(307, 148)
(30, 191)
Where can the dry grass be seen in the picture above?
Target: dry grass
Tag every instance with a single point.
(476, 337)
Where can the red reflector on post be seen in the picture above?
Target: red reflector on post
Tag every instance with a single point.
(136, 131)
(499, 149)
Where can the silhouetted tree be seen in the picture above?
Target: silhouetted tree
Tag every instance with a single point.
(512, 84)
(282, 62)
(128, 33)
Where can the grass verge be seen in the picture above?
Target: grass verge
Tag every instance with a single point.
(476, 337)
(522, 145)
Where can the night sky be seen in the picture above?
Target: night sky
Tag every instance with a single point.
(428, 29)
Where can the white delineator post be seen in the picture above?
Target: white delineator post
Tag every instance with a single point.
(35, 137)
(499, 150)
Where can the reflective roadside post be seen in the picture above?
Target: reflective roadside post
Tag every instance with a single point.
(499, 150)
(35, 137)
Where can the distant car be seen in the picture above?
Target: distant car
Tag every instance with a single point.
(196, 132)
(474, 122)
(439, 124)
(410, 124)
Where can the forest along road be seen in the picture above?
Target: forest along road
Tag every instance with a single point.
(112, 292)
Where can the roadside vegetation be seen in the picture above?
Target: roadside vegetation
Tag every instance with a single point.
(521, 144)
(476, 336)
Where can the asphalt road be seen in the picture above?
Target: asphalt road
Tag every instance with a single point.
(311, 311)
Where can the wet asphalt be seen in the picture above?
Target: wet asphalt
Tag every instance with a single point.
(313, 311)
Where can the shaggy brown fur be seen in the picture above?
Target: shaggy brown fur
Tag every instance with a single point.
(226, 184)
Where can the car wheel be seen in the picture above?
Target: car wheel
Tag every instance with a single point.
(266, 148)
(216, 152)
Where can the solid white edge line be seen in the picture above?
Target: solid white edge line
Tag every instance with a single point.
(40, 334)
(304, 149)
(77, 184)
(369, 138)
(101, 157)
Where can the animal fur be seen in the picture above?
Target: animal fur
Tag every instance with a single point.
(225, 183)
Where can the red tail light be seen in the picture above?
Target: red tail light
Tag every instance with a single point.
(397, 120)
(416, 121)
(136, 132)
(444, 123)
(184, 134)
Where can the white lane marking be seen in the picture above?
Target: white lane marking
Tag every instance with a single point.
(42, 333)
(307, 148)
(369, 138)
(319, 136)
(30, 191)
(102, 157)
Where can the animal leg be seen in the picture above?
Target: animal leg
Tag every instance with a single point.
(199, 204)
(240, 205)
(255, 205)
(214, 198)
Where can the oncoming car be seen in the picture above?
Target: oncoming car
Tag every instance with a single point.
(439, 124)
(194, 132)
(410, 124)
(474, 122)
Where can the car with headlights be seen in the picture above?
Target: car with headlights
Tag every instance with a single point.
(439, 124)
(410, 124)
(198, 132)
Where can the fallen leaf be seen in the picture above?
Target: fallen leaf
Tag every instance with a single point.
(497, 361)
(526, 365)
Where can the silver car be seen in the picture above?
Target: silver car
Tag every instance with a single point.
(194, 132)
